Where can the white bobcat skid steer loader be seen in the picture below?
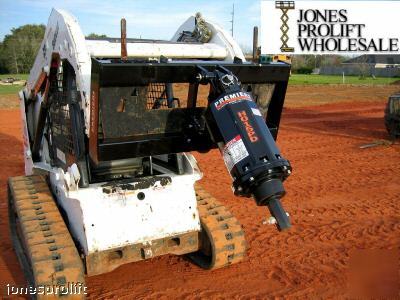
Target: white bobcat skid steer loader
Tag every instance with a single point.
(108, 177)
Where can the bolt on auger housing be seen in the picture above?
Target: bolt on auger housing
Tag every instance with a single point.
(246, 144)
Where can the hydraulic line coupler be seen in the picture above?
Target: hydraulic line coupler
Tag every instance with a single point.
(249, 151)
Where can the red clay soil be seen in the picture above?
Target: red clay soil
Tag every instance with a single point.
(339, 197)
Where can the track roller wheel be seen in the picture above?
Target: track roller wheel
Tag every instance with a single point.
(41, 239)
(222, 241)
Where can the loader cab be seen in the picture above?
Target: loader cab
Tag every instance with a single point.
(59, 139)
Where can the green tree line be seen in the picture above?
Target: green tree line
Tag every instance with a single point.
(18, 49)
(305, 64)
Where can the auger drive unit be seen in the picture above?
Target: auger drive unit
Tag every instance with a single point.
(108, 127)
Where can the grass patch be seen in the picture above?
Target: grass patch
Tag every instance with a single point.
(295, 79)
(18, 76)
(12, 89)
(335, 79)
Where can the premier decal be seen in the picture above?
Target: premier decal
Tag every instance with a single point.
(234, 97)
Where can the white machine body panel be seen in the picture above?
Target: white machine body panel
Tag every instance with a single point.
(219, 37)
(64, 37)
(101, 221)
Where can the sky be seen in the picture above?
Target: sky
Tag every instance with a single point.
(153, 19)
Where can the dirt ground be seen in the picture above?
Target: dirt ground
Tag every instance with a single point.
(339, 197)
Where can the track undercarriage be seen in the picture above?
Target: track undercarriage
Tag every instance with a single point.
(43, 244)
(49, 257)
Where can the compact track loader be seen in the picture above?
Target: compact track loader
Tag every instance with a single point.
(109, 178)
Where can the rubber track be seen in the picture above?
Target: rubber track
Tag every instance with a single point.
(224, 233)
(41, 239)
